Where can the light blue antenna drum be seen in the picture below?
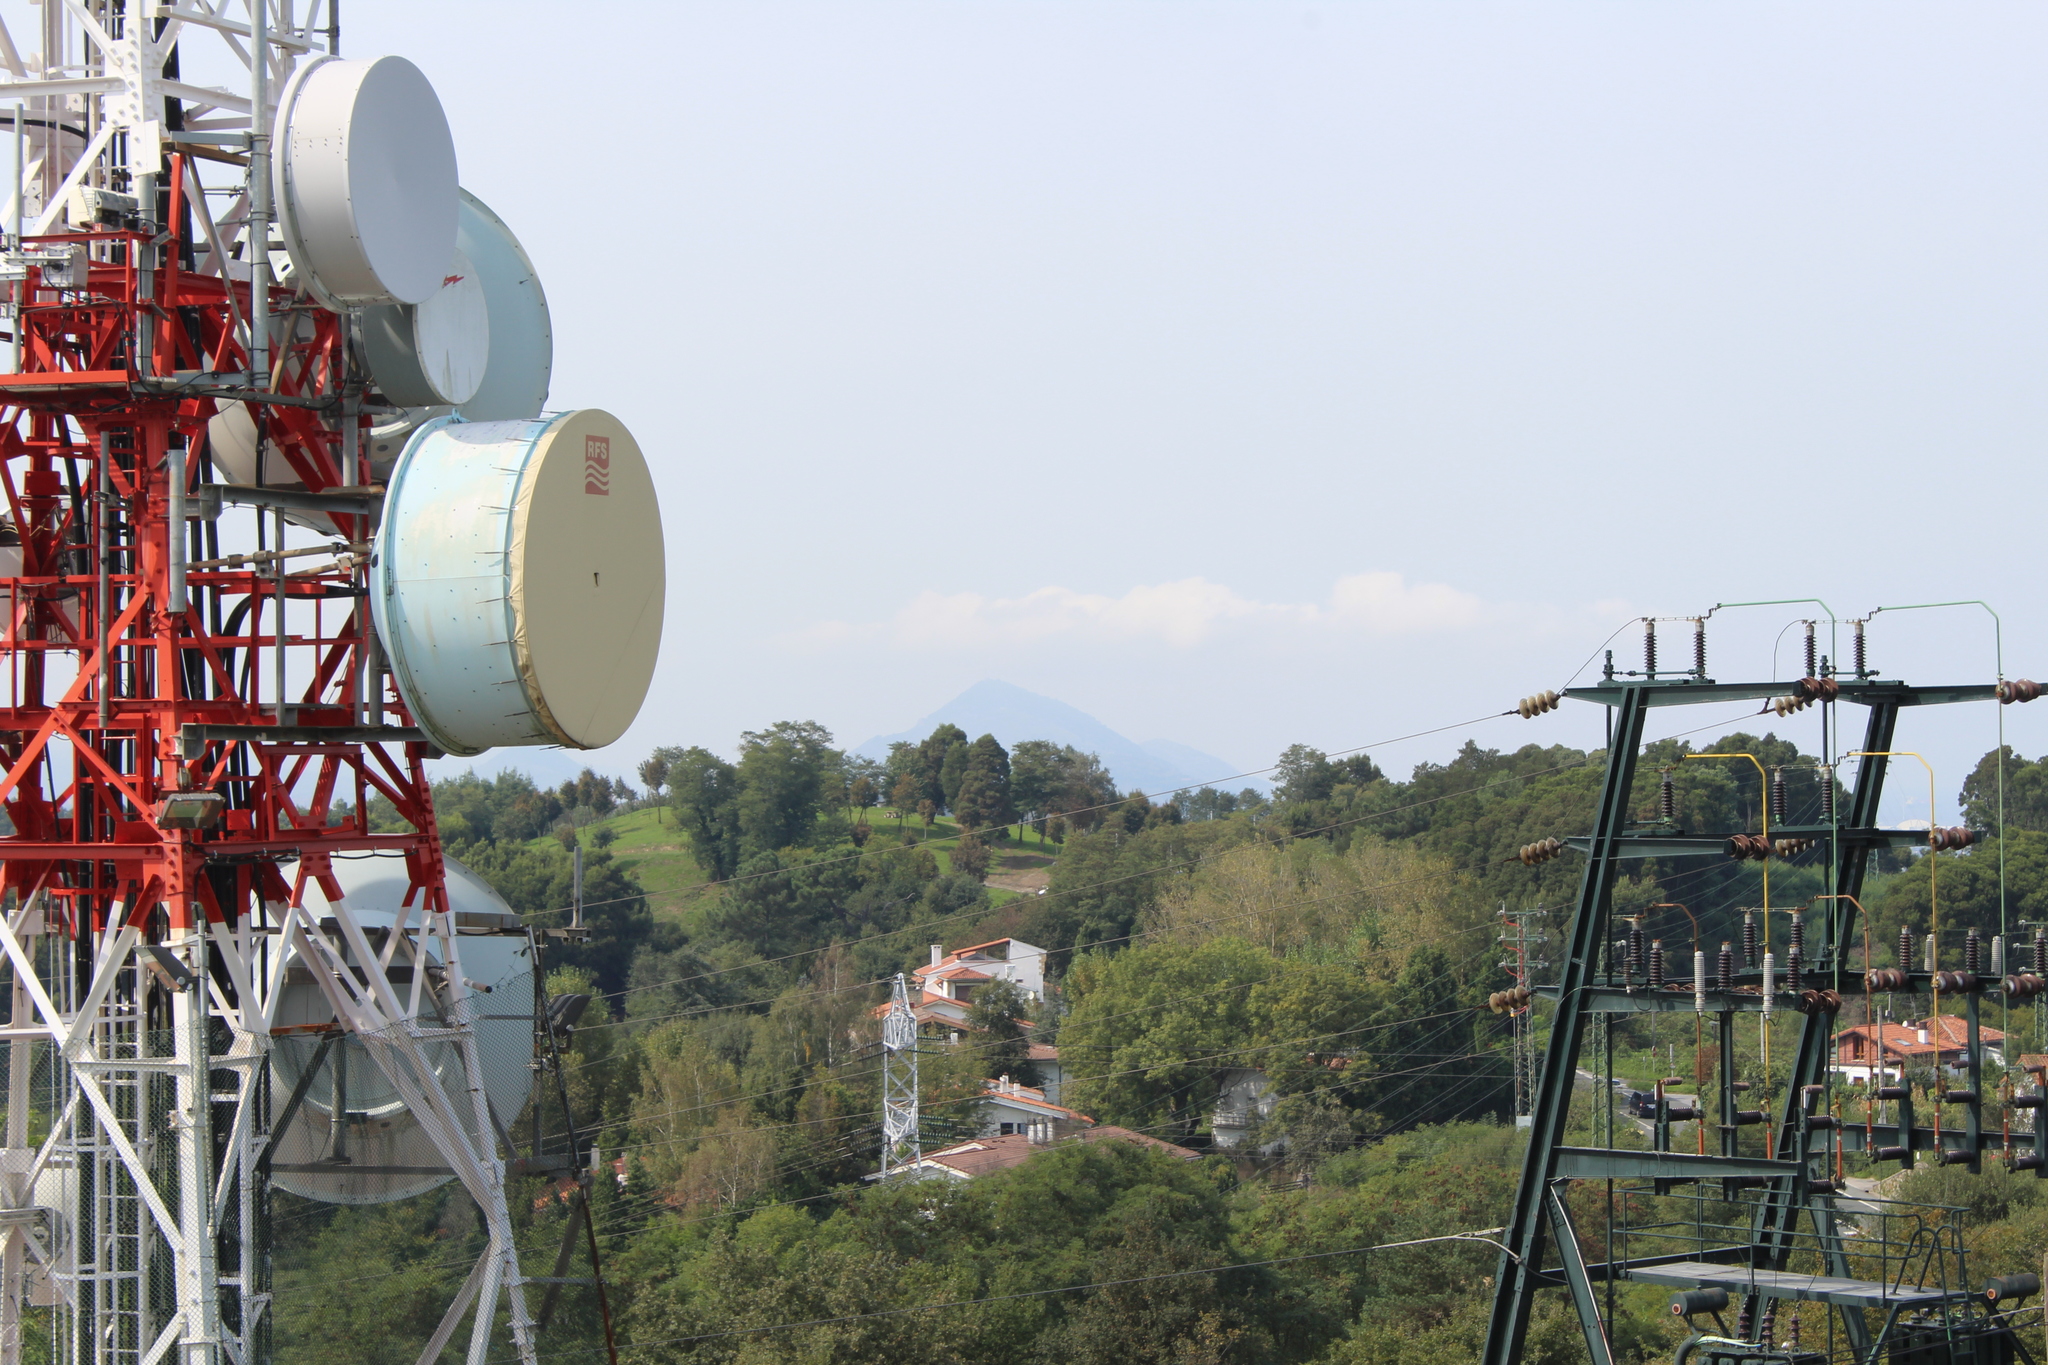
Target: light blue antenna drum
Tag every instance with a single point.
(517, 581)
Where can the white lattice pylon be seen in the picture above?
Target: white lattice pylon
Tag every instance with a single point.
(900, 1144)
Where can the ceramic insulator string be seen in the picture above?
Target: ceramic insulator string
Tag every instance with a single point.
(1906, 947)
(1657, 964)
(1827, 794)
(2040, 953)
(1724, 967)
(1667, 798)
(1649, 647)
(1699, 646)
(1778, 796)
(1749, 941)
(1812, 656)
(1635, 952)
(1860, 653)
(1973, 953)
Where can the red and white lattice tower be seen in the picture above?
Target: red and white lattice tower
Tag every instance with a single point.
(192, 732)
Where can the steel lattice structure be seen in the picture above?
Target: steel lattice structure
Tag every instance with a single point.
(190, 736)
(1793, 1247)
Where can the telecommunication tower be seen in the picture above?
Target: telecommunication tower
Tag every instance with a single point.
(282, 521)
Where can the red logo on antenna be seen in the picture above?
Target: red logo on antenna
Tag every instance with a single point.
(597, 465)
(447, 280)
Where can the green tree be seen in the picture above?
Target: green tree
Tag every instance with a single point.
(982, 800)
(903, 797)
(705, 794)
(970, 856)
(931, 761)
(953, 771)
(654, 769)
(2026, 793)
(1150, 1031)
(1000, 1015)
(783, 772)
(1038, 779)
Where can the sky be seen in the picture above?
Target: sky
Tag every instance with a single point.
(1261, 373)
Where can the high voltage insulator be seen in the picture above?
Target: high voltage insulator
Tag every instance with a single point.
(1657, 964)
(1887, 979)
(1541, 703)
(1509, 1000)
(2017, 689)
(1635, 951)
(1860, 652)
(1812, 658)
(1770, 983)
(1724, 967)
(1827, 792)
(1748, 847)
(1906, 946)
(1788, 848)
(1667, 797)
(1649, 647)
(1956, 836)
(1699, 646)
(2040, 953)
(1973, 952)
(2022, 986)
(1805, 693)
(1749, 939)
(1819, 1002)
(1798, 933)
(1778, 795)
(1793, 964)
(1932, 954)
(1542, 851)
(1998, 954)
(1699, 980)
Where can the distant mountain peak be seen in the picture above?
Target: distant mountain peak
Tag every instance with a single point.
(1011, 713)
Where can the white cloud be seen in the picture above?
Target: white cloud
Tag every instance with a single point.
(1385, 604)
(1183, 613)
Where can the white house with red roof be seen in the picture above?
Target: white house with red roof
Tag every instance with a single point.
(956, 975)
(1883, 1050)
(948, 982)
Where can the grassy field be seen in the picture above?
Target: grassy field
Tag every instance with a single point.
(648, 845)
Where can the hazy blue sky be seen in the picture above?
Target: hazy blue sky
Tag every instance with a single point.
(1253, 373)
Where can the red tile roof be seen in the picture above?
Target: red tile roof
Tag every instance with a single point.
(1947, 1034)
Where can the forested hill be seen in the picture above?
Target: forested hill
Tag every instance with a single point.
(1339, 936)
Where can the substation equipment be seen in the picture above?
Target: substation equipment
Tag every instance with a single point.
(1755, 1225)
(284, 520)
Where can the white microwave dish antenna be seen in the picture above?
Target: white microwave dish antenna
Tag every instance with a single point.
(366, 184)
(518, 581)
(522, 359)
(436, 352)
